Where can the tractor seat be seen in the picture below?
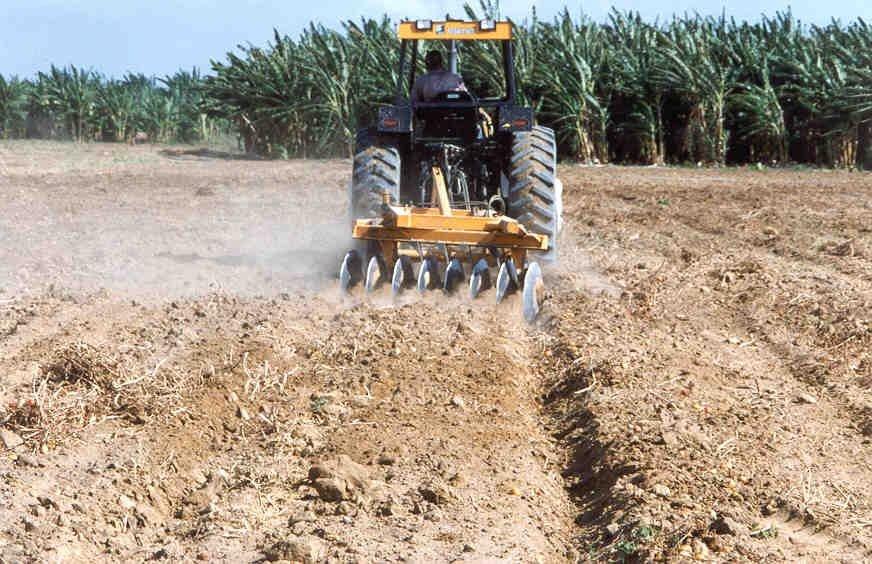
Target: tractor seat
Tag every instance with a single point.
(446, 120)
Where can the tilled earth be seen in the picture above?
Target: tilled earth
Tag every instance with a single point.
(181, 380)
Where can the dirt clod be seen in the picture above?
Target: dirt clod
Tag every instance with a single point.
(436, 493)
(726, 525)
(28, 460)
(661, 490)
(30, 526)
(806, 398)
(340, 479)
(302, 517)
(331, 489)
(10, 439)
(306, 550)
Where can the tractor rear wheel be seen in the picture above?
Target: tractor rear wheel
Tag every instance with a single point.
(376, 170)
(535, 193)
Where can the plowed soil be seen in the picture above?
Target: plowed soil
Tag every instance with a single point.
(181, 379)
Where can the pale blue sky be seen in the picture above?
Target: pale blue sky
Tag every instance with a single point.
(160, 36)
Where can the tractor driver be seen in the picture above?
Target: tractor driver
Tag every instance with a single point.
(436, 81)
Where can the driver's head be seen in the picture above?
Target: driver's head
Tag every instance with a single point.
(433, 61)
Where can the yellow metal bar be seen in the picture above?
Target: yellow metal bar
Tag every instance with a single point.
(366, 230)
(398, 210)
(458, 31)
(487, 124)
(507, 225)
(456, 223)
(440, 192)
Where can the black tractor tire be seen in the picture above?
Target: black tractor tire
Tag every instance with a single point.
(535, 195)
(377, 168)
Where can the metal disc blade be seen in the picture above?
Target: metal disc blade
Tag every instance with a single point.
(373, 274)
(533, 289)
(479, 279)
(474, 285)
(349, 272)
(503, 281)
(344, 276)
(399, 278)
(513, 273)
(453, 275)
(425, 275)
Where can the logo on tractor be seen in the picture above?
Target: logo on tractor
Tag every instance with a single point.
(441, 29)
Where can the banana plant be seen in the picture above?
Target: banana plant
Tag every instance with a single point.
(13, 106)
(570, 68)
(69, 94)
(634, 65)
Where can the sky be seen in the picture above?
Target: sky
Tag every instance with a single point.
(158, 37)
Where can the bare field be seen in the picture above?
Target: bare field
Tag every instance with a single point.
(181, 380)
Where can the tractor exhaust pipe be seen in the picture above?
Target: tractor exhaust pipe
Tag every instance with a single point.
(452, 56)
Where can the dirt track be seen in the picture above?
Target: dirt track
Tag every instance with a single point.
(189, 384)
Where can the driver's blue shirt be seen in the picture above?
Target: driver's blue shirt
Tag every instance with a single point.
(428, 86)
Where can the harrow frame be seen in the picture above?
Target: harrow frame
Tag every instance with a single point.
(443, 233)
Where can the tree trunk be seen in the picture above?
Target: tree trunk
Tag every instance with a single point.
(720, 139)
(864, 145)
(661, 150)
(584, 149)
(204, 134)
(782, 150)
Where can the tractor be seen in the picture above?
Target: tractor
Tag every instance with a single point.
(456, 184)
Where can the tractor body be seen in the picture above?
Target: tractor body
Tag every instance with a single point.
(454, 179)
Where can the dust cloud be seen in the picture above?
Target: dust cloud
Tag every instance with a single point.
(141, 224)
